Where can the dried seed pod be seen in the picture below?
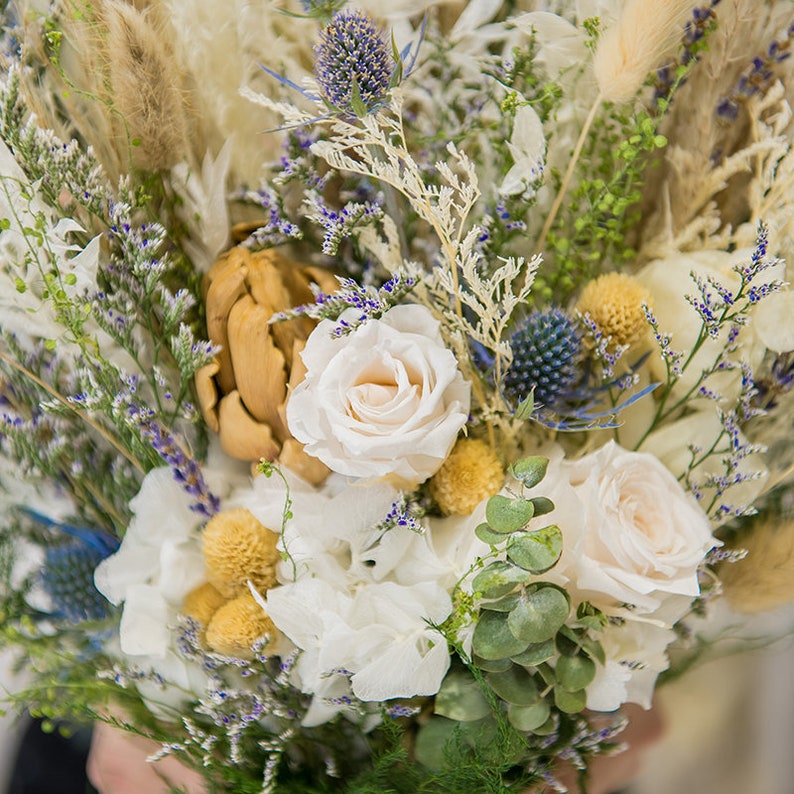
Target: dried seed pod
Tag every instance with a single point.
(243, 392)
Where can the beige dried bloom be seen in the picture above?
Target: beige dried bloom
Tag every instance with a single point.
(646, 33)
(243, 392)
(764, 579)
(145, 84)
(202, 602)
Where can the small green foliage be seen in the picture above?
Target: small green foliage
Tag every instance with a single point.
(536, 551)
(539, 615)
(507, 515)
(530, 471)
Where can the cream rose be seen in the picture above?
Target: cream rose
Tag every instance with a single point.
(631, 535)
(387, 399)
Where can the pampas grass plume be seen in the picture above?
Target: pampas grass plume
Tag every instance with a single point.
(145, 82)
(636, 44)
(764, 579)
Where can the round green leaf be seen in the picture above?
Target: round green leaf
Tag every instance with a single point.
(575, 672)
(505, 514)
(503, 604)
(548, 727)
(431, 742)
(498, 579)
(536, 551)
(487, 535)
(515, 686)
(492, 665)
(493, 639)
(538, 615)
(542, 505)
(529, 718)
(535, 654)
(570, 702)
(531, 470)
(461, 698)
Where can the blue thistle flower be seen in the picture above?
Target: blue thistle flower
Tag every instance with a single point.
(68, 578)
(354, 66)
(547, 350)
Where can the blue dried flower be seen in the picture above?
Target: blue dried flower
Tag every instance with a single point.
(68, 578)
(547, 350)
(354, 65)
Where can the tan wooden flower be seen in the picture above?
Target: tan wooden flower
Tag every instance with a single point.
(243, 391)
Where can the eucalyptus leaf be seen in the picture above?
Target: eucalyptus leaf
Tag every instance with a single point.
(570, 702)
(594, 650)
(488, 535)
(514, 686)
(503, 604)
(493, 639)
(530, 471)
(431, 741)
(538, 615)
(506, 514)
(536, 551)
(535, 654)
(575, 672)
(529, 718)
(498, 579)
(542, 505)
(548, 727)
(461, 698)
(492, 665)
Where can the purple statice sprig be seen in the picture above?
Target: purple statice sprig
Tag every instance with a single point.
(694, 41)
(371, 303)
(723, 314)
(185, 469)
(403, 514)
(241, 693)
(277, 229)
(342, 224)
(757, 77)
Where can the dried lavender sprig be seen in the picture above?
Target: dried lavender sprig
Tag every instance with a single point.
(186, 470)
(757, 77)
(370, 302)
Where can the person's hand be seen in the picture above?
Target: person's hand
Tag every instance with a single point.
(117, 765)
(610, 773)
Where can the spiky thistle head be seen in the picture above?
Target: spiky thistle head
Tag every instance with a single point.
(68, 578)
(353, 63)
(547, 350)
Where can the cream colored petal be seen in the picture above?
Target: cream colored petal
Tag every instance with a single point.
(226, 283)
(258, 364)
(207, 393)
(241, 435)
(305, 466)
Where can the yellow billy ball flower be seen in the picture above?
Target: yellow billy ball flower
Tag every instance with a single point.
(237, 547)
(614, 301)
(471, 473)
(236, 626)
(202, 602)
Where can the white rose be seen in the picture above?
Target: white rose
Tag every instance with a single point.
(631, 535)
(387, 399)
